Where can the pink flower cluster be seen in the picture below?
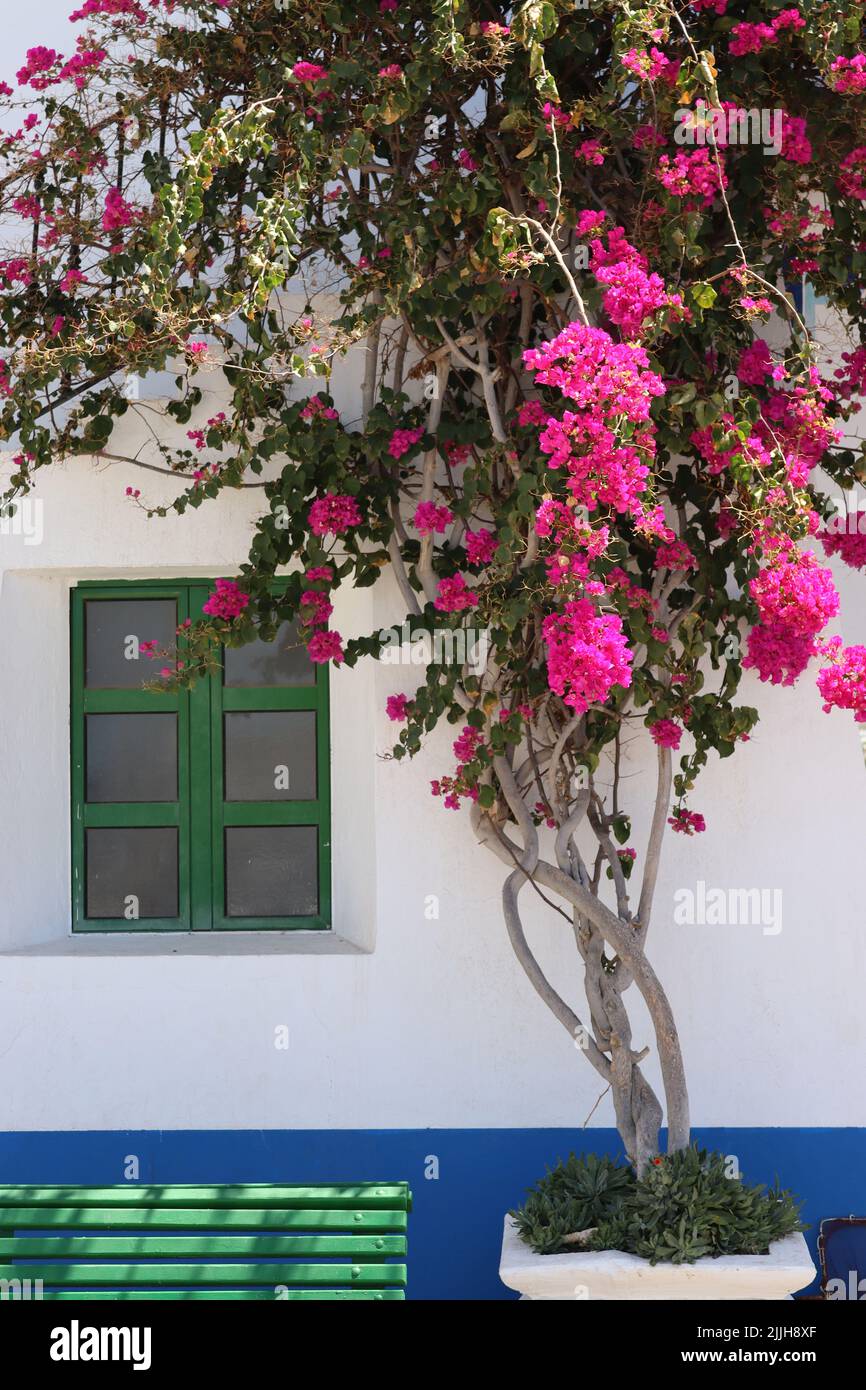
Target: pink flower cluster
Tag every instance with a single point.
(692, 175)
(452, 595)
(531, 413)
(227, 601)
(404, 440)
(587, 654)
(847, 539)
(38, 62)
(755, 364)
(634, 295)
(80, 64)
(590, 151)
(602, 472)
(603, 377)
(796, 420)
(466, 749)
(466, 746)
(324, 647)
(316, 608)
(852, 376)
(480, 546)
(16, 271)
(397, 708)
(796, 598)
(334, 514)
(646, 64)
(666, 733)
(315, 408)
(118, 212)
(842, 683)
(849, 74)
(457, 454)
(752, 38)
(675, 556)
(112, 8)
(796, 146)
(431, 520)
(687, 822)
(71, 280)
(852, 175)
(199, 437)
(310, 72)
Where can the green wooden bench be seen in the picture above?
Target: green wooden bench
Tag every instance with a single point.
(241, 1241)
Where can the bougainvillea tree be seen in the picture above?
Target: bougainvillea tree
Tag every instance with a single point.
(566, 239)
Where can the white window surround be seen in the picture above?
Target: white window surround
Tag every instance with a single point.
(35, 909)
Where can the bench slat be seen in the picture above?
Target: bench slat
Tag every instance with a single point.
(185, 1241)
(372, 1196)
(155, 1218)
(175, 1295)
(204, 1246)
(96, 1275)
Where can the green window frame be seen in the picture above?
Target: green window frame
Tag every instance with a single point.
(200, 813)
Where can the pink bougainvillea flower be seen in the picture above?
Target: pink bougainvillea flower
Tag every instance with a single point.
(71, 280)
(334, 514)
(404, 440)
(310, 72)
(846, 537)
(687, 822)
(227, 601)
(453, 596)
(796, 598)
(397, 708)
(480, 546)
(430, 520)
(316, 409)
(325, 647)
(316, 608)
(843, 682)
(666, 733)
(118, 212)
(587, 654)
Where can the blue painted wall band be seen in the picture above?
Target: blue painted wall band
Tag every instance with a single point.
(456, 1225)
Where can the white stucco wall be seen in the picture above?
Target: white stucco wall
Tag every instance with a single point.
(409, 1021)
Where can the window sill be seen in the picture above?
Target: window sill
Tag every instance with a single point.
(210, 944)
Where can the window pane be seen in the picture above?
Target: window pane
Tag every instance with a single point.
(271, 756)
(132, 873)
(132, 757)
(281, 662)
(115, 629)
(272, 871)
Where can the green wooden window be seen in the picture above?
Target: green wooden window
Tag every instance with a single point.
(204, 810)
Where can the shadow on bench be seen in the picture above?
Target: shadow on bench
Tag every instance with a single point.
(237, 1241)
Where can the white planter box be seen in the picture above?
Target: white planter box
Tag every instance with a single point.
(612, 1274)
